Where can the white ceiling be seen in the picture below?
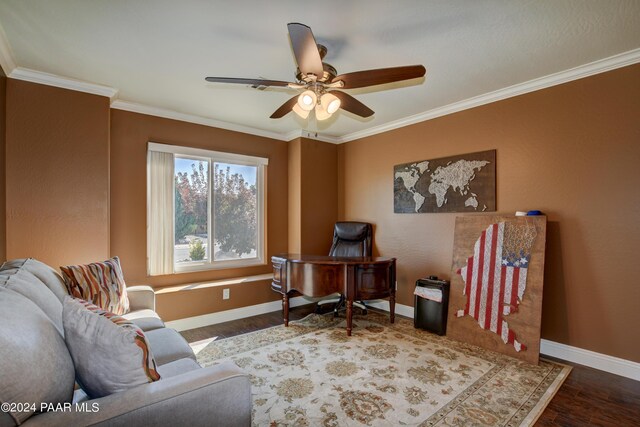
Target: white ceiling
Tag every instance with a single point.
(158, 52)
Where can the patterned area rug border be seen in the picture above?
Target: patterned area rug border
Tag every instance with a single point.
(528, 412)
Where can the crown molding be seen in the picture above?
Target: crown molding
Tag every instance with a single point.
(7, 62)
(40, 77)
(319, 137)
(296, 133)
(190, 118)
(617, 61)
(603, 65)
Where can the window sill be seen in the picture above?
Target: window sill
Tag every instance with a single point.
(214, 283)
(219, 265)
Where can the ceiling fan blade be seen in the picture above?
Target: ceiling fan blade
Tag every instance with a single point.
(252, 82)
(305, 49)
(349, 103)
(380, 76)
(284, 108)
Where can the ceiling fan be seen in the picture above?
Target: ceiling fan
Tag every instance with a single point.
(320, 81)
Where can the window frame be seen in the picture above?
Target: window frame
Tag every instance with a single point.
(213, 157)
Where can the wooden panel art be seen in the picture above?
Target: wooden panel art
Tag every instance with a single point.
(464, 183)
(496, 283)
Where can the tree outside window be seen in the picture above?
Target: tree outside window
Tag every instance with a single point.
(233, 211)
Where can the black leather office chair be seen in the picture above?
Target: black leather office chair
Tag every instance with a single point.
(350, 239)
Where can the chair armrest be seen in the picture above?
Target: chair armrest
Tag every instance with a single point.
(141, 297)
(218, 395)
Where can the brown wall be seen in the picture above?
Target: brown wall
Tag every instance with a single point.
(319, 198)
(57, 174)
(180, 305)
(3, 195)
(570, 150)
(130, 133)
(295, 195)
(313, 195)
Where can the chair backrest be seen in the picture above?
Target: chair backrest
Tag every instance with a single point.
(352, 239)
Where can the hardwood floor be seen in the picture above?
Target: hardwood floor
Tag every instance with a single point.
(590, 397)
(587, 398)
(248, 324)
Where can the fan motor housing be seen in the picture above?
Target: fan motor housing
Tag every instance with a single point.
(327, 76)
(329, 72)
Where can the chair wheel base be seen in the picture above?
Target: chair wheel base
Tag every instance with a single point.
(341, 305)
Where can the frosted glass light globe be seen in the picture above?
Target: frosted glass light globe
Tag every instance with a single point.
(330, 103)
(307, 100)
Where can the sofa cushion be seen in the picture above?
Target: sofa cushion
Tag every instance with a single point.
(110, 353)
(147, 320)
(47, 275)
(35, 365)
(168, 345)
(25, 283)
(178, 367)
(101, 283)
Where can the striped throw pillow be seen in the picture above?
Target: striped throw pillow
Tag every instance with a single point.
(110, 353)
(100, 283)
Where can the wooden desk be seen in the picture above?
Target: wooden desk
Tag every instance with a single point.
(356, 278)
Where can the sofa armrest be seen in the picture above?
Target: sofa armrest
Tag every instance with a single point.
(218, 395)
(141, 298)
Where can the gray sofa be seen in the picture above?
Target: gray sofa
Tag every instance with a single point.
(36, 367)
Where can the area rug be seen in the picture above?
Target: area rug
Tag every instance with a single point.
(312, 374)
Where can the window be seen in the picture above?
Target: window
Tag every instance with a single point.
(205, 209)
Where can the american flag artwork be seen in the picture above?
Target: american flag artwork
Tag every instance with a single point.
(495, 277)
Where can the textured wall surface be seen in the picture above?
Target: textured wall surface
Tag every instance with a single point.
(180, 305)
(130, 133)
(295, 195)
(57, 174)
(319, 200)
(571, 151)
(313, 195)
(76, 192)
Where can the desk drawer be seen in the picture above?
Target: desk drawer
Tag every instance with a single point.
(373, 281)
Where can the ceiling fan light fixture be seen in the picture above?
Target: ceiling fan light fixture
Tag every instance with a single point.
(321, 113)
(300, 112)
(330, 103)
(317, 80)
(307, 100)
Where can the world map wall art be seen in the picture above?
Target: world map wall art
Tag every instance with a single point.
(463, 183)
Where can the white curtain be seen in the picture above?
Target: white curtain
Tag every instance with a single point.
(160, 199)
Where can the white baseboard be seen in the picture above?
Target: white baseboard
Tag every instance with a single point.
(603, 362)
(234, 314)
(403, 310)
